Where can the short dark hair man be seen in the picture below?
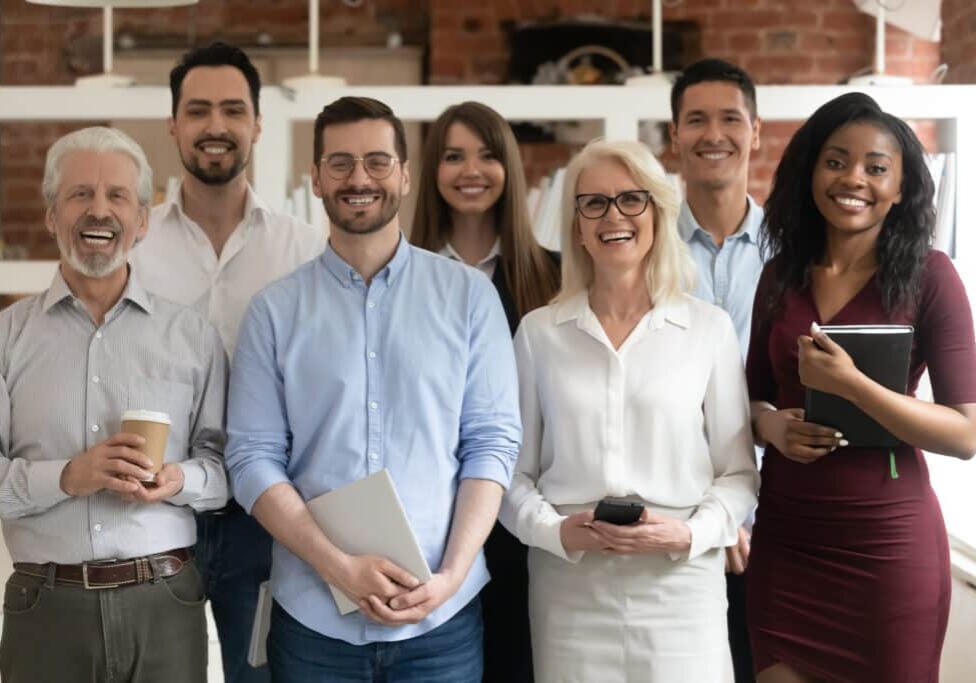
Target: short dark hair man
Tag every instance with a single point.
(376, 355)
(212, 246)
(104, 587)
(714, 130)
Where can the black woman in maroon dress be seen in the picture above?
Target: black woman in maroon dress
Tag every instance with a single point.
(849, 574)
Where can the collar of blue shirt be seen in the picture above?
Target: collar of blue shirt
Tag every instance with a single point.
(347, 275)
(749, 229)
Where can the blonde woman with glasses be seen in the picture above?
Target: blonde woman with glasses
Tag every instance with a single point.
(630, 389)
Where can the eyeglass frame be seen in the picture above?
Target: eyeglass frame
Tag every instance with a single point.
(323, 162)
(648, 201)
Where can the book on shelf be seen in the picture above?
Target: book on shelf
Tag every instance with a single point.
(882, 352)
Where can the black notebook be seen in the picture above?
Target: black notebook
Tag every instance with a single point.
(882, 353)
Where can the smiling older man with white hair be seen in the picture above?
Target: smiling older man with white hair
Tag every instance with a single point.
(104, 587)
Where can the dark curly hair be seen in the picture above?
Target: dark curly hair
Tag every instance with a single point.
(793, 231)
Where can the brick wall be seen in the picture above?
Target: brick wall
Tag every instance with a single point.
(959, 40)
(54, 45)
(778, 41)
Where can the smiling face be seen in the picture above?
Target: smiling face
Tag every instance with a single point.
(360, 204)
(615, 242)
(470, 177)
(714, 135)
(857, 178)
(215, 125)
(96, 216)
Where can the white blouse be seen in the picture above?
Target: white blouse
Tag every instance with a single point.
(664, 418)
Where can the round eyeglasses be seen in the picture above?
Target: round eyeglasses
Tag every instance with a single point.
(629, 203)
(378, 165)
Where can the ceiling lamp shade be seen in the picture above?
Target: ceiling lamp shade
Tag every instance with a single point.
(313, 80)
(107, 78)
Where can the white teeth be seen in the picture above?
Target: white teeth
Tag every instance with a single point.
(851, 201)
(612, 236)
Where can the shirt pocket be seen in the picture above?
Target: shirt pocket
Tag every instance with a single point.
(166, 396)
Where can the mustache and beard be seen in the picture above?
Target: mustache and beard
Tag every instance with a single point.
(92, 264)
(214, 173)
(360, 223)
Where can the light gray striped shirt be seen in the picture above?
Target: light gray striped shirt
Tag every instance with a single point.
(64, 384)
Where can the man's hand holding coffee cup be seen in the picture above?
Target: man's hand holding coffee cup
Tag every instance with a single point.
(168, 482)
(116, 464)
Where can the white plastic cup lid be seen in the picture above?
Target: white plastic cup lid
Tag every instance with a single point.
(145, 416)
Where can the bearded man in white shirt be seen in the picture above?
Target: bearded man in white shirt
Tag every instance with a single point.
(213, 246)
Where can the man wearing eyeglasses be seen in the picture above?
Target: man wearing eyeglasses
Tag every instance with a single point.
(375, 355)
(714, 130)
(212, 246)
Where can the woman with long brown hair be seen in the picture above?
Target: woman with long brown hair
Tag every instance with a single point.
(472, 207)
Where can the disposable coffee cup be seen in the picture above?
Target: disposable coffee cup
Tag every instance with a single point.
(154, 428)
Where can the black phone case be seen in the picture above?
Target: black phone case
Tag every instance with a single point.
(618, 512)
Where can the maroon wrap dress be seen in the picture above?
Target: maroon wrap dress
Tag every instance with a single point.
(849, 574)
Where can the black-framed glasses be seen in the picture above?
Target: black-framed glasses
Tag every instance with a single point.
(378, 165)
(629, 203)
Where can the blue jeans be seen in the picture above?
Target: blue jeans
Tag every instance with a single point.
(450, 653)
(233, 554)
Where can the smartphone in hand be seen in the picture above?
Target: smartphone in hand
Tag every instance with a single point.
(615, 511)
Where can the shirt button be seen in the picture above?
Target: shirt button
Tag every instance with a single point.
(374, 405)
(94, 428)
(373, 456)
(372, 354)
(96, 379)
(98, 527)
(371, 304)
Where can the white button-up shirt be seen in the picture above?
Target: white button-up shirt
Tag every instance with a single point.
(664, 418)
(486, 265)
(177, 261)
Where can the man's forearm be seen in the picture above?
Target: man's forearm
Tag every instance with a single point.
(281, 510)
(475, 512)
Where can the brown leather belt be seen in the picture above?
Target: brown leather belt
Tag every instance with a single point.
(112, 573)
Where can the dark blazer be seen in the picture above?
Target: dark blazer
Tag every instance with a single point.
(505, 600)
(508, 301)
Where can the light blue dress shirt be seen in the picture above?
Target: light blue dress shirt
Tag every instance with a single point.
(333, 380)
(727, 275)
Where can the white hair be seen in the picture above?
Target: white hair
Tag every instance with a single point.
(96, 139)
(670, 269)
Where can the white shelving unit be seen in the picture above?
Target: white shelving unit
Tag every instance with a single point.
(620, 110)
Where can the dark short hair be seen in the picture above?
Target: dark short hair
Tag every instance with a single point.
(713, 71)
(352, 109)
(215, 54)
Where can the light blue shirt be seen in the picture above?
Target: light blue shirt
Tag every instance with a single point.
(727, 275)
(333, 380)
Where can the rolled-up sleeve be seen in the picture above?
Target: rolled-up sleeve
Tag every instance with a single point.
(204, 478)
(257, 421)
(490, 430)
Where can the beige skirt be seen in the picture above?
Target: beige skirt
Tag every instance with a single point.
(629, 619)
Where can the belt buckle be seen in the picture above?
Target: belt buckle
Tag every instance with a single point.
(88, 586)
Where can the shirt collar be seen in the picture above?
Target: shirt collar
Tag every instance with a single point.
(450, 252)
(749, 228)
(253, 204)
(347, 275)
(577, 307)
(134, 291)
